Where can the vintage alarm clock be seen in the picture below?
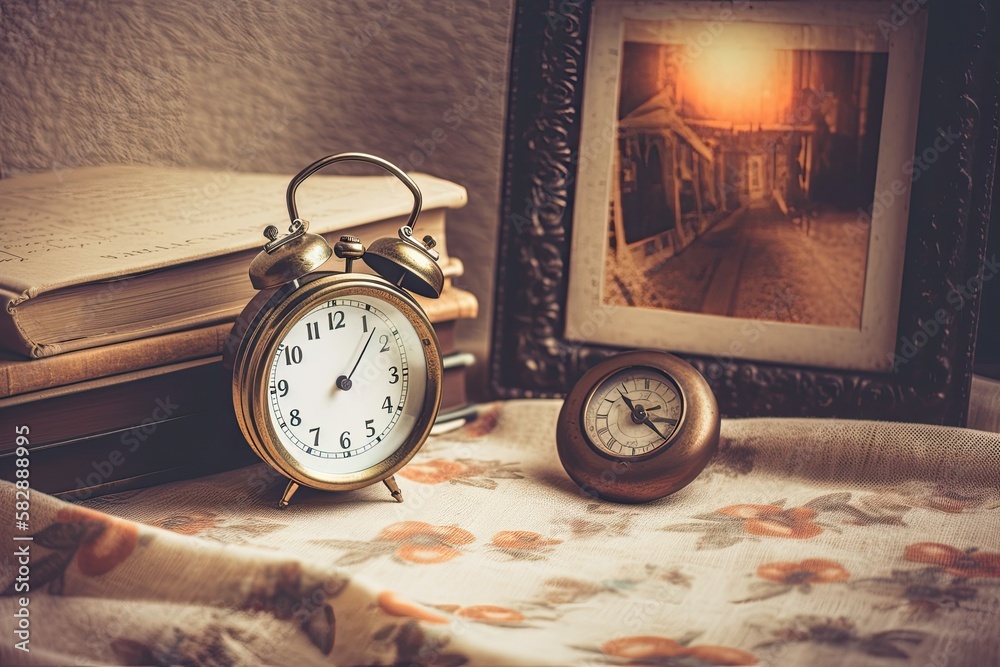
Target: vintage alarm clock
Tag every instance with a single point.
(637, 427)
(336, 376)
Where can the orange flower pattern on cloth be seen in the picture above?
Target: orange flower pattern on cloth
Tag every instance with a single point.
(652, 650)
(773, 521)
(422, 543)
(191, 523)
(105, 542)
(782, 577)
(523, 544)
(968, 564)
(809, 571)
(437, 471)
(471, 472)
(213, 526)
(951, 581)
(734, 523)
(96, 542)
(490, 613)
(414, 542)
(394, 605)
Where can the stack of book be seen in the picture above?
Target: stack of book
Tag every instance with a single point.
(118, 288)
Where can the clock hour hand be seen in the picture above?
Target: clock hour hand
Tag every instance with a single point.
(344, 381)
(626, 399)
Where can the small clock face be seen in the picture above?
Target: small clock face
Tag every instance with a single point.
(634, 412)
(346, 385)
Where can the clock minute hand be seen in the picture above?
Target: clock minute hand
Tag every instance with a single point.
(344, 381)
(653, 426)
(665, 420)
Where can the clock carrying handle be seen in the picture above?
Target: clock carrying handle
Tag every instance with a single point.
(356, 157)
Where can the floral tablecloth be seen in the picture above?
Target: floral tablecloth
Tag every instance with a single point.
(803, 543)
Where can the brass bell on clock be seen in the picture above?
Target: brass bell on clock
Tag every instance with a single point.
(405, 261)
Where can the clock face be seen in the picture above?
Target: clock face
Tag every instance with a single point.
(633, 412)
(346, 385)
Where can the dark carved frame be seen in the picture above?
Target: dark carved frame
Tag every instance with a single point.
(946, 237)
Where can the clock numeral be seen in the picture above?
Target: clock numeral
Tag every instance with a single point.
(369, 429)
(293, 355)
(364, 323)
(384, 339)
(336, 320)
(646, 383)
(283, 388)
(345, 440)
(316, 439)
(394, 372)
(293, 418)
(312, 328)
(387, 405)
(603, 431)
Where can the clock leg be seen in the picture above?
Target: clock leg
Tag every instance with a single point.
(287, 495)
(390, 482)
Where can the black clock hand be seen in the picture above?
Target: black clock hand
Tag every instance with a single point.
(344, 381)
(653, 426)
(672, 422)
(627, 401)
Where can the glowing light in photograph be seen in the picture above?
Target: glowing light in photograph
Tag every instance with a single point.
(742, 83)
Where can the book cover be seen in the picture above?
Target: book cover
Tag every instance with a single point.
(105, 254)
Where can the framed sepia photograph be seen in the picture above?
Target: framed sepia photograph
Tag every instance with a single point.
(793, 196)
(731, 188)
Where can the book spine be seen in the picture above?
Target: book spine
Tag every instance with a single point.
(21, 377)
(11, 336)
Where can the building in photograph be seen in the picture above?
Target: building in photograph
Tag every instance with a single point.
(701, 140)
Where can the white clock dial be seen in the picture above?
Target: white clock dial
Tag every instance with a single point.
(633, 412)
(346, 385)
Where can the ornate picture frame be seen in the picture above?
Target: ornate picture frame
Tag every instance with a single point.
(534, 355)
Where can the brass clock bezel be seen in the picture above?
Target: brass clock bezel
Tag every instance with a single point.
(665, 470)
(633, 457)
(264, 330)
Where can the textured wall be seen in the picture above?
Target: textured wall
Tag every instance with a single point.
(253, 85)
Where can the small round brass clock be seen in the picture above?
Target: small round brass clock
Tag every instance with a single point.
(637, 427)
(337, 375)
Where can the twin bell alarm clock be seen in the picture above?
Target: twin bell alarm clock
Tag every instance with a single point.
(336, 376)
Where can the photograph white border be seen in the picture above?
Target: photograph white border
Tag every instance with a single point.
(871, 347)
